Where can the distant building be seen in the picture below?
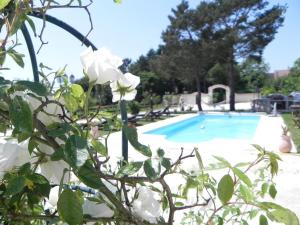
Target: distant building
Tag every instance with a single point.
(280, 73)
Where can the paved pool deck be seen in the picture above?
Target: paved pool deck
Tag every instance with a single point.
(267, 135)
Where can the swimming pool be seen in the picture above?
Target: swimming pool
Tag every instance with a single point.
(208, 127)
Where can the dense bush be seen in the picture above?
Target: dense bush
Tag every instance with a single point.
(134, 107)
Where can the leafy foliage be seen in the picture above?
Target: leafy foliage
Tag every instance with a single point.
(54, 170)
(70, 208)
(284, 85)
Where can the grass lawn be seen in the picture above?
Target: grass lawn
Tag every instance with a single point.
(295, 131)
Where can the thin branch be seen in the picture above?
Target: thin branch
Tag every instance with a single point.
(43, 10)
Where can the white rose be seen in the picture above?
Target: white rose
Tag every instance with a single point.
(52, 111)
(53, 197)
(53, 170)
(96, 210)
(101, 66)
(124, 88)
(52, 114)
(13, 154)
(146, 206)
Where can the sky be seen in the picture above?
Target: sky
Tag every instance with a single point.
(131, 29)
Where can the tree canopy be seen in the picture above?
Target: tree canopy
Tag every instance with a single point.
(217, 31)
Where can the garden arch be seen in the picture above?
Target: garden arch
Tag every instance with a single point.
(213, 87)
(86, 42)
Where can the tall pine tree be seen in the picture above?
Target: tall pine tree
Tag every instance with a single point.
(247, 27)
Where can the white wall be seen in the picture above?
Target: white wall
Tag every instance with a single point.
(190, 99)
(246, 97)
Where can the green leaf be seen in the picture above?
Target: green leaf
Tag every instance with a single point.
(75, 151)
(59, 129)
(253, 213)
(244, 222)
(76, 90)
(160, 153)
(284, 216)
(4, 3)
(259, 148)
(190, 184)
(225, 188)
(178, 204)
(38, 178)
(69, 207)
(99, 147)
(242, 176)
(165, 202)
(278, 213)
(246, 193)
(272, 191)
(132, 136)
(243, 164)
(220, 220)
(17, 57)
(4, 82)
(118, 1)
(263, 220)
(129, 169)
(2, 58)
(89, 176)
(20, 115)
(58, 154)
(4, 106)
(15, 185)
(25, 169)
(23, 136)
(222, 160)
(199, 159)
(269, 205)
(31, 24)
(273, 162)
(71, 102)
(264, 188)
(32, 144)
(149, 170)
(42, 186)
(166, 163)
(35, 87)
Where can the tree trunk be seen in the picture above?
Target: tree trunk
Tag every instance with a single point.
(231, 84)
(175, 88)
(198, 96)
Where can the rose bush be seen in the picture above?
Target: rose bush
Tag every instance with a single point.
(56, 170)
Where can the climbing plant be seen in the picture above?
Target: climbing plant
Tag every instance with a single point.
(56, 166)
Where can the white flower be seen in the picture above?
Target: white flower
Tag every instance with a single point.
(101, 66)
(53, 170)
(124, 88)
(53, 197)
(13, 154)
(96, 210)
(146, 206)
(193, 169)
(51, 111)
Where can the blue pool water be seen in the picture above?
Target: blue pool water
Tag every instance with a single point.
(207, 127)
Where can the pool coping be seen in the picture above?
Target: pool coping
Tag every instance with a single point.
(267, 136)
(259, 136)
